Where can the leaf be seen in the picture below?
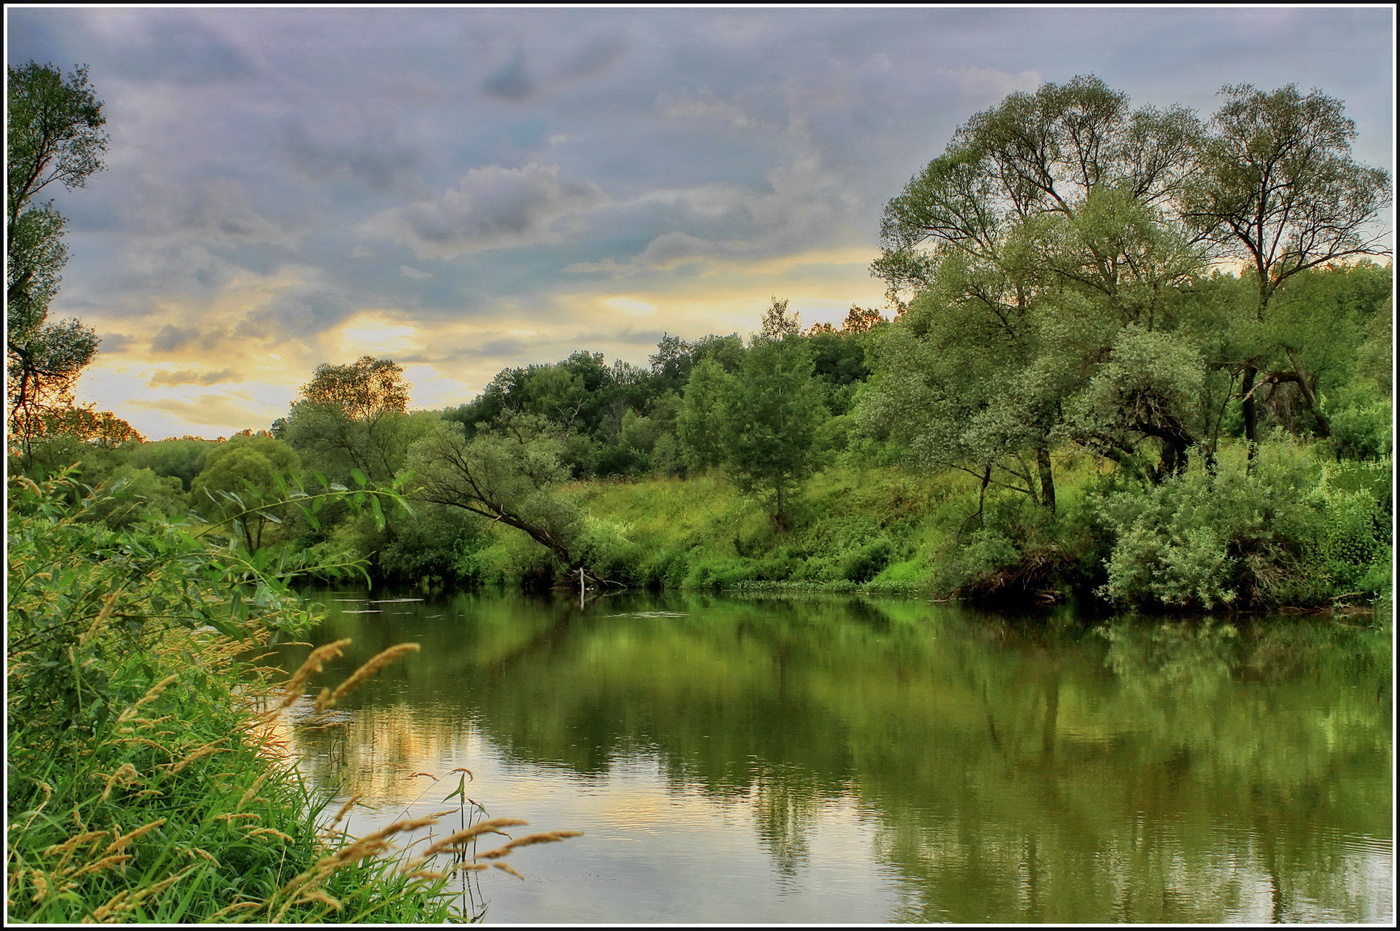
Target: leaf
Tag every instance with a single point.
(360, 478)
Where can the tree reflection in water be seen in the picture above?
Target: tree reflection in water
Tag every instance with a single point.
(1037, 770)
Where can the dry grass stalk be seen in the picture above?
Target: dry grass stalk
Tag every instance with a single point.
(71, 845)
(146, 699)
(491, 826)
(344, 810)
(103, 613)
(201, 852)
(198, 753)
(233, 908)
(253, 790)
(544, 837)
(229, 816)
(121, 842)
(255, 832)
(319, 895)
(125, 775)
(99, 865)
(375, 663)
(508, 868)
(313, 664)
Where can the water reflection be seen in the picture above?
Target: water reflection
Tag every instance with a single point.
(847, 760)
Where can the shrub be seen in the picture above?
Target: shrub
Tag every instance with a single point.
(1236, 537)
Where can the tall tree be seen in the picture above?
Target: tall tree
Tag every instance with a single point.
(759, 424)
(352, 416)
(1041, 230)
(54, 135)
(1276, 186)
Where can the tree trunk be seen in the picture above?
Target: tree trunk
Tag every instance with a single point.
(1250, 412)
(1047, 478)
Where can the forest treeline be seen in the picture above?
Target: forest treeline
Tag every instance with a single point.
(1130, 356)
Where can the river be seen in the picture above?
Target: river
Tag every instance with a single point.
(827, 759)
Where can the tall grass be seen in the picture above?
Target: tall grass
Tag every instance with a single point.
(146, 779)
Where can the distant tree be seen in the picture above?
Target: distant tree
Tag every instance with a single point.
(770, 436)
(181, 458)
(777, 322)
(861, 319)
(1276, 185)
(759, 424)
(351, 417)
(701, 421)
(240, 476)
(54, 135)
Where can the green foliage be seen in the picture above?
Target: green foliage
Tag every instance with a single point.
(508, 474)
(143, 785)
(54, 134)
(178, 458)
(240, 475)
(1270, 535)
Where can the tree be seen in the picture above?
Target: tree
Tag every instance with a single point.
(1043, 229)
(1276, 185)
(704, 409)
(352, 417)
(54, 135)
(759, 424)
(239, 477)
(777, 322)
(773, 416)
(507, 473)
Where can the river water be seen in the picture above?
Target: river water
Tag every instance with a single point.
(851, 760)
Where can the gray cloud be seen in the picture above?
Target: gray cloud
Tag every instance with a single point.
(187, 377)
(276, 172)
(490, 208)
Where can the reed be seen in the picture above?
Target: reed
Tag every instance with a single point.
(145, 781)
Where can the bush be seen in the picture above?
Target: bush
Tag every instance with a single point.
(1275, 535)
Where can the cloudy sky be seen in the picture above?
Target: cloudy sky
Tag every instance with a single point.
(464, 189)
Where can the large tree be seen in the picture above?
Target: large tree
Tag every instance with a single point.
(508, 473)
(1276, 186)
(352, 417)
(54, 135)
(1042, 229)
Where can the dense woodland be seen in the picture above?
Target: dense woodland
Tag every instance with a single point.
(1130, 358)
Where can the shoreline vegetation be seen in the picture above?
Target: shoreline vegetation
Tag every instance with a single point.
(148, 775)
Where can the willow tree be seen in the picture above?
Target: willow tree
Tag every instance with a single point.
(1276, 186)
(1042, 229)
(508, 472)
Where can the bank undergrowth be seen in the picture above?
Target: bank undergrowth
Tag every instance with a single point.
(1296, 528)
(147, 777)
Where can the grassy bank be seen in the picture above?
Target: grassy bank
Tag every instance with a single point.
(1297, 528)
(147, 781)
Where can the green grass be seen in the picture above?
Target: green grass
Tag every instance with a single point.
(146, 778)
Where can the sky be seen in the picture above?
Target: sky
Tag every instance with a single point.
(465, 189)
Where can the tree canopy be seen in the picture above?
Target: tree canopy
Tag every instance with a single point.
(54, 135)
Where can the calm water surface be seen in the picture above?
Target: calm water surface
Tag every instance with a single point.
(826, 760)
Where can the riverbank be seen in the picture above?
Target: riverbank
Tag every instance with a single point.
(1293, 531)
(147, 779)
